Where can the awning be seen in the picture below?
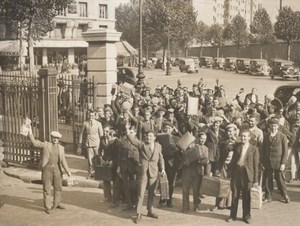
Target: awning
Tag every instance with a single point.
(11, 48)
(61, 44)
(125, 49)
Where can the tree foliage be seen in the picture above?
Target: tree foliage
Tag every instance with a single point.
(216, 36)
(202, 33)
(33, 17)
(262, 27)
(286, 27)
(237, 32)
(163, 20)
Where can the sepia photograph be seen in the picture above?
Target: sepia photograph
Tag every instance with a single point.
(150, 112)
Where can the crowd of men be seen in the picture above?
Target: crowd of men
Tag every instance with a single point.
(243, 140)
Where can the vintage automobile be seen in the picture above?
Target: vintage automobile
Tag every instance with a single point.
(242, 65)
(285, 92)
(259, 67)
(188, 65)
(284, 69)
(230, 63)
(206, 61)
(218, 63)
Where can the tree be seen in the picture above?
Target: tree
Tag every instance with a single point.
(236, 32)
(33, 18)
(201, 34)
(286, 27)
(262, 29)
(216, 36)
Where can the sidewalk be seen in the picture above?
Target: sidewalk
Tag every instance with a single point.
(77, 165)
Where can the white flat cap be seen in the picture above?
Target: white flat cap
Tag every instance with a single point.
(56, 134)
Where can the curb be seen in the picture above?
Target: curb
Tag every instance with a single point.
(33, 176)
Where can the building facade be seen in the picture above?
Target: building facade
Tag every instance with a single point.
(222, 11)
(65, 41)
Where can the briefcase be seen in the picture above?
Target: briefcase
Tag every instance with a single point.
(103, 173)
(164, 187)
(256, 198)
(213, 186)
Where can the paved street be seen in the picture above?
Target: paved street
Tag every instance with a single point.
(24, 206)
(232, 81)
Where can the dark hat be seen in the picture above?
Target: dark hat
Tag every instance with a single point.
(167, 123)
(273, 121)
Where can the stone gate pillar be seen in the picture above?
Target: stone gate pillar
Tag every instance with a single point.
(102, 62)
(48, 118)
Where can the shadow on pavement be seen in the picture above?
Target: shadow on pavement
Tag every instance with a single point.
(32, 204)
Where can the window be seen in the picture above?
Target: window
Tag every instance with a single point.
(103, 11)
(83, 9)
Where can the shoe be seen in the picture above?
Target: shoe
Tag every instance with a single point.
(61, 207)
(152, 215)
(48, 211)
(138, 218)
(287, 199)
(170, 204)
(247, 220)
(185, 210)
(266, 201)
(230, 219)
(127, 208)
(160, 203)
(213, 209)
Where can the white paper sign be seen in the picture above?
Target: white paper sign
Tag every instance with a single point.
(192, 108)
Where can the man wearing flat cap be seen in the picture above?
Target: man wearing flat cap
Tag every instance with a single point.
(53, 163)
(275, 154)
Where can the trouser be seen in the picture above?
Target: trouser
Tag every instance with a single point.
(130, 188)
(210, 168)
(115, 196)
(143, 181)
(171, 175)
(51, 175)
(190, 177)
(240, 183)
(224, 202)
(280, 180)
(91, 154)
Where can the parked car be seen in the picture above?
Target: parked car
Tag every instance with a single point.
(218, 63)
(242, 65)
(285, 92)
(159, 64)
(206, 61)
(230, 63)
(188, 65)
(284, 69)
(196, 59)
(259, 67)
(176, 62)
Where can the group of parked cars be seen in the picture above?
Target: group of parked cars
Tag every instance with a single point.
(274, 68)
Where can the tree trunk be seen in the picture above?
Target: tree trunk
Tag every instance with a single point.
(218, 51)
(30, 49)
(201, 50)
(237, 51)
(288, 50)
(261, 51)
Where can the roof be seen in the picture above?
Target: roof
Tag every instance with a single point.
(61, 44)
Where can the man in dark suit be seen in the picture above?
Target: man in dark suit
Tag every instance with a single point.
(151, 159)
(244, 175)
(253, 97)
(275, 154)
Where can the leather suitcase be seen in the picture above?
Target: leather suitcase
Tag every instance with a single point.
(256, 198)
(213, 186)
(103, 173)
(164, 187)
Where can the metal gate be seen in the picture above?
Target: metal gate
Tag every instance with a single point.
(19, 98)
(75, 98)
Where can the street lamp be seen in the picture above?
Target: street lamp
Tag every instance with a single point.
(140, 76)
